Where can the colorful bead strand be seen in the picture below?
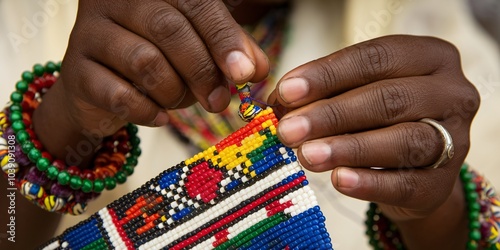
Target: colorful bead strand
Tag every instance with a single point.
(46, 181)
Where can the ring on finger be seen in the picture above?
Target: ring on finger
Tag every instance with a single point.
(448, 148)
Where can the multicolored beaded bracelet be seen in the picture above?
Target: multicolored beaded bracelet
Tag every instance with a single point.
(483, 206)
(246, 192)
(50, 183)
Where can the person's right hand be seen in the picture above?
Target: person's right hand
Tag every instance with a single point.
(129, 61)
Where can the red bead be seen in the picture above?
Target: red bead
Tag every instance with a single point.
(37, 144)
(87, 174)
(59, 165)
(29, 95)
(123, 147)
(39, 83)
(47, 155)
(74, 170)
(31, 133)
(49, 80)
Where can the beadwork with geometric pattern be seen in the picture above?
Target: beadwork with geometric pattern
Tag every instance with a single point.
(246, 192)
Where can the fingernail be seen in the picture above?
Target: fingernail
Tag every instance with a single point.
(316, 152)
(161, 119)
(240, 66)
(219, 99)
(294, 129)
(347, 178)
(293, 89)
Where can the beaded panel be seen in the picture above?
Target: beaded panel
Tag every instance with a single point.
(246, 192)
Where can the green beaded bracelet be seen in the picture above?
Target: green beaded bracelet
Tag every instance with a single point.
(63, 177)
(383, 234)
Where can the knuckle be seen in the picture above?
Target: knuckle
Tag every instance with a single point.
(357, 149)
(204, 70)
(142, 59)
(333, 118)
(395, 100)
(419, 144)
(328, 74)
(407, 186)
(374, 59)
(164, 24)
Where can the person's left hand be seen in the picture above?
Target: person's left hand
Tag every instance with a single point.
(360, 108)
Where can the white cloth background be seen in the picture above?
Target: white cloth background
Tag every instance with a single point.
(38, 31)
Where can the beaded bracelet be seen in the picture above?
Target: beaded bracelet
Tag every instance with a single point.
(245, 192)
(483, 208)
(50, 183)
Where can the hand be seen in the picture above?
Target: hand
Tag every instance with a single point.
(132, 60)
(360, 108)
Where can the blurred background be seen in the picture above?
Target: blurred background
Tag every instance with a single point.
(36, 31)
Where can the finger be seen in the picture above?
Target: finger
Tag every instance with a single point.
(364, 63)
(106, 90)
(263, 66)
(139, 61)
(380, 104)
(231, 48)
(174, 35)
(411, 144)
(407, 188)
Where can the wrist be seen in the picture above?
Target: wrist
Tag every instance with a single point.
(56, 128)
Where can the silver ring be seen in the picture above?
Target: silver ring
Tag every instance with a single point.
(448, 149)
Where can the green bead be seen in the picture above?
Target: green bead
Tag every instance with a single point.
(15, 107)
(135, 141)
(466, 177)
(474, 224)
(471, 245)
(473, 215)
(110, 183)
(16, 97)
(121, 177)
(50, 67)
(22, 86)
(471, 197)
(98, 185)
(132, 129)
(474, 207)
(136, 151)
(63, 178)
(129, 170)
(27, 146)
(22, 136)
(87, 186)
(475, 235)
(58, 66)
(42, 164)
(34, 154)
(38, 69)
(18, 126)
(16, 116)
(52, 172)
(132, 160)
(27, 76)
(470, 186)
(75, 182)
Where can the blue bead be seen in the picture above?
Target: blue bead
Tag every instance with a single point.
(305, 182)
